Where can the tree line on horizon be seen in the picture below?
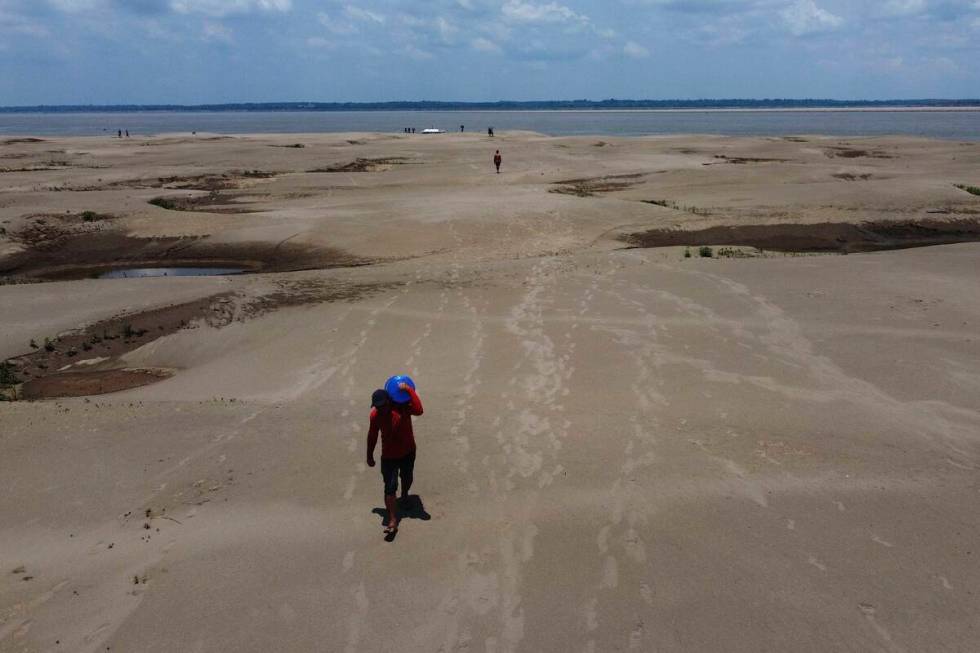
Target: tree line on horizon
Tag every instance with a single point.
(502, 105)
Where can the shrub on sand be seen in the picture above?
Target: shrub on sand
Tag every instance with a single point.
(8, 376)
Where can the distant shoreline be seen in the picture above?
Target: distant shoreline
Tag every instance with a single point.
(659, 106)
(896, 109)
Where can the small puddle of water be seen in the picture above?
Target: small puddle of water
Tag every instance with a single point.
(169, 272)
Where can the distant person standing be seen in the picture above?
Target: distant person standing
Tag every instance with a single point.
(127, 133)
(119, 133)
(462, 128)
(490, 132)
(497, 160)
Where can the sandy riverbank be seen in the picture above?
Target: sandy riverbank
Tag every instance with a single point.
(623, 448)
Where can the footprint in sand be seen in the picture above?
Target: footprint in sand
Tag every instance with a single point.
(610, 574)
(646, 594)
(884, 543)
(812, 560)
(591, 615)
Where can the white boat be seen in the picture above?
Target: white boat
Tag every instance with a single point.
(433, 130)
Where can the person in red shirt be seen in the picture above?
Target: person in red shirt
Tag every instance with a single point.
(497, 160)
(394, 423)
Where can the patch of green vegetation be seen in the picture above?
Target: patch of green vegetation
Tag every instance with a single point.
(705, 252)
(8, 375)
(972, 190)
(48, 345)
(164, 203)
(687, 252)
(92, 216)
(732, 252)
(671, 204)
(130, 332)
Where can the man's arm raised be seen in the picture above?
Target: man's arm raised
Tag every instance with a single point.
(415, 406)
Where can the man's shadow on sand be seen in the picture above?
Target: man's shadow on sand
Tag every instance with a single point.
(410, 507)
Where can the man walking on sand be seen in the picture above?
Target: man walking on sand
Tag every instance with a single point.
(394, 423)
(497, 160)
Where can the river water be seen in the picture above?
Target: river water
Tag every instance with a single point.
(957, 125)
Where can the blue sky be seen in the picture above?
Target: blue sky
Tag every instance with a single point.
(196, 51)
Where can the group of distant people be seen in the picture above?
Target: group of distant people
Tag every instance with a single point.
(498, 158)
(411, 130)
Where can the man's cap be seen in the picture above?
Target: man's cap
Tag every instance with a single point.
(379, 399)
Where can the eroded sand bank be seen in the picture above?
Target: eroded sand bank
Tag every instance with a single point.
(622, 447)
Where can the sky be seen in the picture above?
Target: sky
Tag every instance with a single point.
(213, 51)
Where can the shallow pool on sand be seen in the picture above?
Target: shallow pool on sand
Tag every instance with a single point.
(127, 273)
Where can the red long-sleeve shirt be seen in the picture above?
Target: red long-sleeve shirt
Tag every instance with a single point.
(395, 427)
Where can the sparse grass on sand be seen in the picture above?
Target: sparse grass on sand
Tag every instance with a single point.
(973, 190)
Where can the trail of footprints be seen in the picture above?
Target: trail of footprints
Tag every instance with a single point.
(620, 537)
(357, 618)
(487, 595)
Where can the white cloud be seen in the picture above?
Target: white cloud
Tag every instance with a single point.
(320, 43)
(918, 67)
(446, 29)
(356, 13)
(12, 23)
(225, 7)
(484, 45)
(729, 30)
(805, 17)
(635, 50)
(335, 26)
(902, 7)
(217, 32)
(527, 12)
(417, 53)
(75, 6)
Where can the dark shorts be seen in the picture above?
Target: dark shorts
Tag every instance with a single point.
(392, 468)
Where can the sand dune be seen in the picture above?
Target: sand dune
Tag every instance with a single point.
(622, 448)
